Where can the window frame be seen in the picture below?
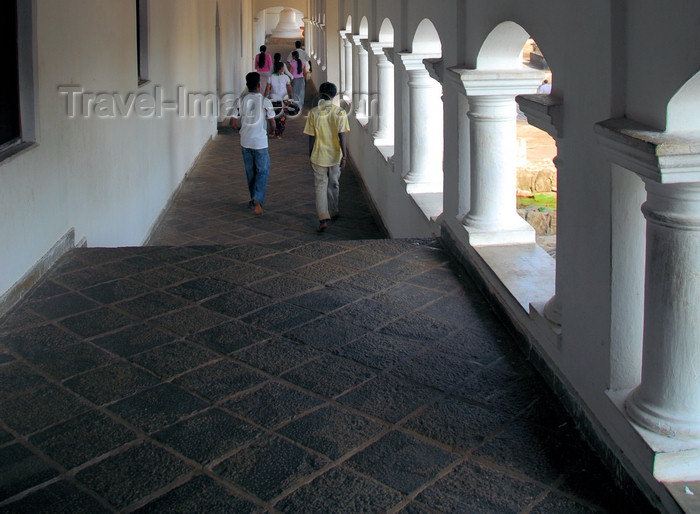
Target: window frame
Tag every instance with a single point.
(26, 74)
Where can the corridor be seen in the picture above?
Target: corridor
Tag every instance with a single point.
(250, 364)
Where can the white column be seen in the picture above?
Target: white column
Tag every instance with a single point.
(362, 108)
(668, 399)
(341, 53)
(384, 134)
(426, 127)
(493, 217)
(348, 68)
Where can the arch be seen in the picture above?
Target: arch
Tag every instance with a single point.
(503, 47)
(261, 5)
(386, 32)
(426, 40)
(683, 111)
(364, 27)
(348, 24)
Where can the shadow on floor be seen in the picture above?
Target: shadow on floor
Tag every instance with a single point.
(249, 364)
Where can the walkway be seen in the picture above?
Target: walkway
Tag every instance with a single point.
(249, 364)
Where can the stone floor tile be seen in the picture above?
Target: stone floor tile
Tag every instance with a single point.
(229, 337)
(205, 264)
(83, 278)
(440, 279)
(389, 398)
(111, 383)
(189, 321)
(208, 435)
(272, 404)
(557, 503)
(71, 360)
(363, 284)
(57, 497)
(458, 424)
(532, 451)
(397, 270)
(332, 431)
(63, 305)
(5, 437)
(282, 261)
(275, 356)
(408, 296)
(326, 333)
(16, 378)
(199, 289)
(173, 359)
(241, 274)
(420, 328)
(48, 289)
(97, 322)
(219, 380)
(96, 433)
(369, 313)
(378, 350)
(402, 461)
(436, 370)
(322, 272)
(472, 487)
(340, 491)
(133, 340)
(20, 469)
(152, 304)
(133, 474)
(201, 494)
(324, 300)
(116, 291)
(280, 317)
(38, 409)
(269, 466)
(329, 376)
(237, 303)
(158, 407)
(163, 276)
(282, 286)
(466, 343)
(33, 341)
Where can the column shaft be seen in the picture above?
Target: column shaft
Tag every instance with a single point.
(493, 167)
(426, 133)
(668, 399)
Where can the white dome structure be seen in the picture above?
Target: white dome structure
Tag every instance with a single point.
(288, 27)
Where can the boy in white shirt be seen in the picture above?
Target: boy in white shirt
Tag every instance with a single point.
(250, 113)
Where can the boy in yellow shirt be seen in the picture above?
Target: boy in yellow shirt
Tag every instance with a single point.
(326, 126)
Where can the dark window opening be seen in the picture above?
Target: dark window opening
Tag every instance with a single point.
(10, 124)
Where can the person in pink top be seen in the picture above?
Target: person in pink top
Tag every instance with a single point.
(298, 69)
(263, 65)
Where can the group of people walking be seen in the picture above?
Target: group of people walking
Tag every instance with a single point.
(326, 127)
(282, 81)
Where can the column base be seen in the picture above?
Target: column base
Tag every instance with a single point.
(661, 423)
(515, 231)
(413, 188)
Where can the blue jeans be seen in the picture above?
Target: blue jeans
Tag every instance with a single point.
(257, 165)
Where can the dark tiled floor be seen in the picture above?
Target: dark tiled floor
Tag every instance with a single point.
(249, 364)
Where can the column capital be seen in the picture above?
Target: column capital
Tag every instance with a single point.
(345, 35)
(377, 48)
(543, 112)
(357, 39)
(414, 62)
(498, 82)
(663, 157)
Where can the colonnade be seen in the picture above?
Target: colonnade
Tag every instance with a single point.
(667, 401)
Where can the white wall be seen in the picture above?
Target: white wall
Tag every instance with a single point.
(107, 178)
